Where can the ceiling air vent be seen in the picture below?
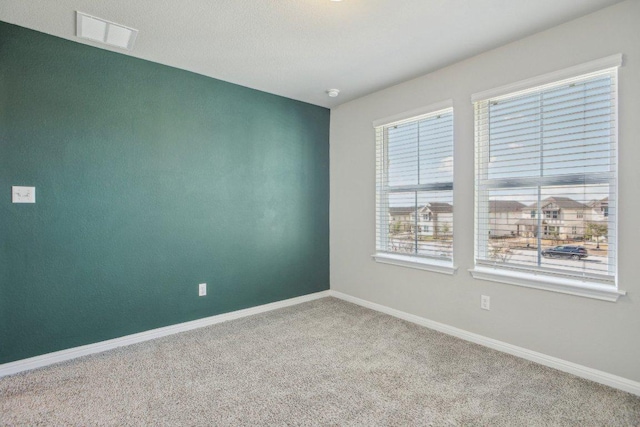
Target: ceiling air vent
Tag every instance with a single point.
(100, 30)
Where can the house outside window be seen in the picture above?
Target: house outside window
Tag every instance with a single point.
(414, 173)
(551, 145)
(551, 214)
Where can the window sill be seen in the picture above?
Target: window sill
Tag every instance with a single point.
(414, 262)
(549, 283)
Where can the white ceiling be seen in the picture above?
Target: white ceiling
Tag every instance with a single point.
(301, 48)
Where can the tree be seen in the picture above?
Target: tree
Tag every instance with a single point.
(406, 246)
(596, 230)
(500, 252)
(395, 227)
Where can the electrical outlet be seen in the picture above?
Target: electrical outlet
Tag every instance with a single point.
(202, 289)
(485, 302)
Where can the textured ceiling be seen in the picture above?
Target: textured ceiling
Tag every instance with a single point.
(301, 48)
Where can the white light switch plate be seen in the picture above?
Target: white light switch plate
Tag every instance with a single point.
(202, 289)
(23, 194)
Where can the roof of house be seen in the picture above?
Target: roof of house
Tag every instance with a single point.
(438, 207)
(597, 203)
(401, 210)
(505, 205)
(561, 202)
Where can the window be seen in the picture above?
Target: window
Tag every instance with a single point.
(551, 148)
(414, 173)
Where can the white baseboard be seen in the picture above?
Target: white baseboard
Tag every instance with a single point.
(72, 353)
(595, 375)
(543, 359)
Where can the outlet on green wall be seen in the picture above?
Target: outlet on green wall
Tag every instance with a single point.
(150, 180)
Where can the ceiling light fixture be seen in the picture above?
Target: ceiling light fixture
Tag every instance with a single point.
(103, 31)
(333, 92)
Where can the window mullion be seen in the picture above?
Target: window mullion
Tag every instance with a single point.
(415, 223)
(613, 187)
(539, 210)
(384, 211)
(483, 131)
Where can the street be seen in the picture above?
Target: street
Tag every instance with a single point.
(596, 262)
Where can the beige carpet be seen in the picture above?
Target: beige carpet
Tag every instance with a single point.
(326, 362)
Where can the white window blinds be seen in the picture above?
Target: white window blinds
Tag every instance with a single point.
(546, 179)
(414, 186)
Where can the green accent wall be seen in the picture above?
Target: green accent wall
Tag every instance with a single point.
(149, 180)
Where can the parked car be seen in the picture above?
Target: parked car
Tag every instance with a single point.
(566, 251)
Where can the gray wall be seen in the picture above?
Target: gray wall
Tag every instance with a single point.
(597, 334)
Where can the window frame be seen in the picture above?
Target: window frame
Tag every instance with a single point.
(537, 277)
(407, 260)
